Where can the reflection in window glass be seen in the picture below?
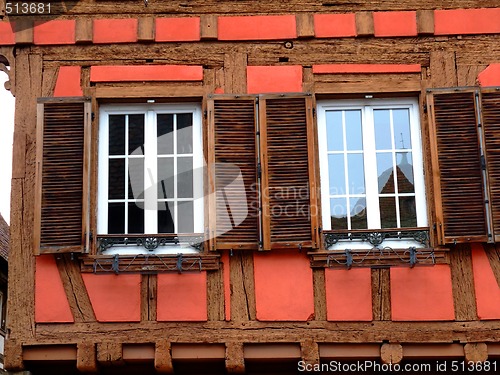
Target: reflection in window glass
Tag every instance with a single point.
(338, 213)
(354, 138)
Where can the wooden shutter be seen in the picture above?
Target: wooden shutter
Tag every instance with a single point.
(288, 172)
(232, 143)
(62, 175)
(490, 100)
(456, 164)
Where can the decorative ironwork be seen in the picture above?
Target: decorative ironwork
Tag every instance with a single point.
(377, 237)
(380, 256)
(150, 243)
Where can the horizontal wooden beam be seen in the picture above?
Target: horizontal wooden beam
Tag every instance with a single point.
(272, 351)
(178, 90)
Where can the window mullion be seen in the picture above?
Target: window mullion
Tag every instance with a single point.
(126, 173)
(371, 176)
(324, 170)
(394, 168)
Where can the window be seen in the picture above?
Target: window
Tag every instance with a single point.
(371, 165)
(150, 170)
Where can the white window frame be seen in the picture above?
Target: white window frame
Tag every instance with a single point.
(150, 172)
(367, 106)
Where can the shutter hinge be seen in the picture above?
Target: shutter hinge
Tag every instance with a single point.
(259, 170)
(424, 107)
(483, 163)
(314, 112)
(92, 116)
(205, 114)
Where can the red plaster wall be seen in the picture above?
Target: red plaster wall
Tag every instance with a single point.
(257, 27)
(7, 36)
(117, 73)
(182, 297)
(395, 23)
(68, 81)
(349, 294)
(51, 303)
(177, 29)
(334, 25)
(115, 30)
(283, 286)
(114, 298)
(268, 79)
(467, 21)
(422, 293)
(54, 32)
(365, 68)
(490, 76)
(486, 285)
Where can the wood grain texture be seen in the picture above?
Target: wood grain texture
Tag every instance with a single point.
(366, 83)
(163, 357)
(49, 80)
(391, 353)
(381, 294)
(443, 69)
(24, 31)
(319, 294)
(464, 295)
(149, 296)
(109, 353)
(215, 295)
(242, 287)
(476, 352)
(310, 352)
(364, 24)
(235, 73)
(305, 25)
(86, 357)
(493, 254)
(425, 22)
(208, 27)
(146, 29)
(235, 358)
(83, 30)
(467, 74)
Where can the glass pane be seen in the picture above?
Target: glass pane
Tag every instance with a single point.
(388, 212)
(382, 122)
(186, 217)
(166, 178)
(385, 173)
(165, 134)
(358, 213)
(334, 131)
(116, 218)
(338, 213)
(136, 178)
(166, 217)
(116, 184)
(407, 212)
(117, 134)
(136, 134)
(185, 133)
(404, 167)
(356, 173)
(401, 122)
(337, 174)
(353, 135)
(185, 177)
(135, 218)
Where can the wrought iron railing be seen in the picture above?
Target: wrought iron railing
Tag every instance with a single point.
(148, 241)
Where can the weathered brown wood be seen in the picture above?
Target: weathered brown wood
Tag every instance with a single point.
(208, 26)
(242, 287)
(13, 355)
(464, 295)
(308, 80)
(83, 31)
(363, 84)
(148, 297)
(305, 25)
(425, 22)
(146, 29)
(167, 90)
(235, 73)
(86, 359)
(467, 74)
(443, 69)
(215, 295)
(381, 294)
(319, 294)
(364, 24)
(309, 352)
(153, 296)
(163, 357)
(235, 361)
(493, 254)
(24, 30)
(476, 352)
(18, 154)
(109, 353)
(76, 292)
(49, 80)
(391, 353)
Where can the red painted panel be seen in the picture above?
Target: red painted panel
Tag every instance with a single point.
(267, 79)
(486, 286)
(467, 21)
(7, 35)
(283, 286)
(182, 297)
(114, 298)
(365, 68)
(349, 294)
(177, 29)
(131, 73)
(54, 32)
(227, 287)
(422, 293)
(257, 27)
(68, 81)
(395, 23)
(334, 25)
(115, 30)
(490, 76)
(51, 303)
